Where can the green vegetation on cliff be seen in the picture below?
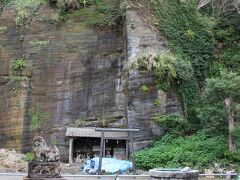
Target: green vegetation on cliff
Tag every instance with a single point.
(103, 14)
(186, 33)
(40, 121)
(174, 124)
(207, 38)
(190, 39)
(25, 9)
(3, 4)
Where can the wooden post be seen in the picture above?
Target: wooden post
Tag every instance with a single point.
(104, 148)
(127, 149)
(71, 151)
(101, 153)
(132, 149)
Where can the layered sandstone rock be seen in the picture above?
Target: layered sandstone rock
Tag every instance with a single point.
(76, 72)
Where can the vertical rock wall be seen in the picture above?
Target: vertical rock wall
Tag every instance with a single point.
(142, 37)
(14, 92)
(76, 72)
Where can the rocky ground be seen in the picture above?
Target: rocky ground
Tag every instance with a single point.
(12, 161)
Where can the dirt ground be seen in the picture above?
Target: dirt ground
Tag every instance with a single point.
(12, 161)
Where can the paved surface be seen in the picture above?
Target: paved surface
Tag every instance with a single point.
(19, 176)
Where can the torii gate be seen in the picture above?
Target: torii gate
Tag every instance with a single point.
(103, 130)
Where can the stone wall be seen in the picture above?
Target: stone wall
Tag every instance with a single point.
(76, 72)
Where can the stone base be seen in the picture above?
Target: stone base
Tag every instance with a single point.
(156, 174)
(43, 170)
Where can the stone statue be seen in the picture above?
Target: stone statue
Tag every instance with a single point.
(46, 163)
(44, 152)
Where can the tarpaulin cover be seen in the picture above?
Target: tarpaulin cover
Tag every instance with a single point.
(110, 165)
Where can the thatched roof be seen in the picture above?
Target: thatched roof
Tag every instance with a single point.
(90, 132)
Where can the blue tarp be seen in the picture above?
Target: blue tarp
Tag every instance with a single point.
(110, 165)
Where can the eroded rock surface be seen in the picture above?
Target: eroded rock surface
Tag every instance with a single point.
(143, 37)
(76, 72)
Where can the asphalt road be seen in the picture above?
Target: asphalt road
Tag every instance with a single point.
(19, 176)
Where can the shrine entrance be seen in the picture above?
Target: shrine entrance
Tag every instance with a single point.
(86, 143)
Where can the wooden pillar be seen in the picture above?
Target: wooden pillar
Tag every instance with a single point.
(132, 149)
(127, 149)
(71, 151)
(101, 153)
(104, 148)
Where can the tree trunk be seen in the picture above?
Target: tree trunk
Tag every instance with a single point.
(231, 124)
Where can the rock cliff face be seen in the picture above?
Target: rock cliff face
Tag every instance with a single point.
(76, 72)
(143, 37)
